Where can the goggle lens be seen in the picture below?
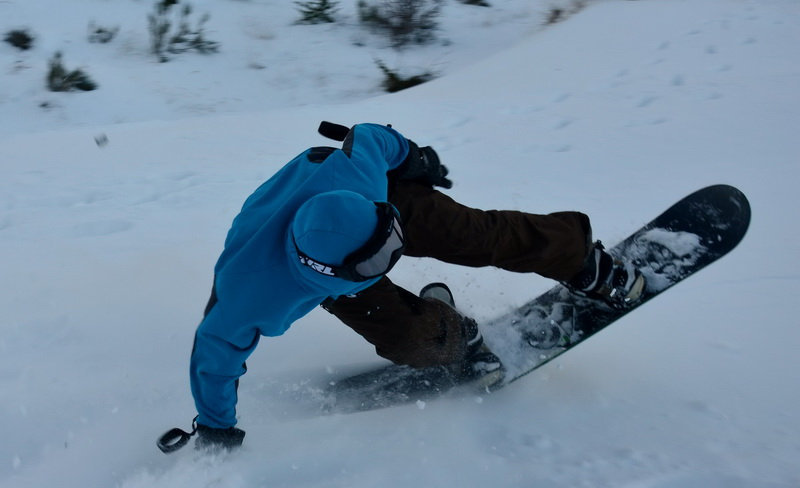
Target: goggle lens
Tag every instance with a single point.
(386, 257)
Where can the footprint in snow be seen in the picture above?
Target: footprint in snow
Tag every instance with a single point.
(646, 101)
(100, 228)
(563, 124)
(562, 97)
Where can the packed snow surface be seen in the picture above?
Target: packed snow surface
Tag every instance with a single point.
(114, 206)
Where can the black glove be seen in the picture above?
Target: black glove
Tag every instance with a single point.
(214, 439)
(422, 164)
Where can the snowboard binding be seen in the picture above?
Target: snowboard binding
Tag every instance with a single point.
(606, 278)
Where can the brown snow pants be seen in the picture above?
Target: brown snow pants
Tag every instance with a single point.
(407, 329)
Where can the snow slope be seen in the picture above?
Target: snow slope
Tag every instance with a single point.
(618, 111)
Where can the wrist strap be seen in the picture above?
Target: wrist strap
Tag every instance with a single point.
(176, 438)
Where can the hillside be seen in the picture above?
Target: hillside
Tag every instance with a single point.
(108, 251)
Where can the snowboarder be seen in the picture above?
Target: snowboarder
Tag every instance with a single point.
(328, 227)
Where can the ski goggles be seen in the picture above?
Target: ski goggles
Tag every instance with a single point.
(375, 258)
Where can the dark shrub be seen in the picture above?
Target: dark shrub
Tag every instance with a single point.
(404, 21)
(59, 79)
(20, 39)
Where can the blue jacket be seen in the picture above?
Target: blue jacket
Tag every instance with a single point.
(260, 284)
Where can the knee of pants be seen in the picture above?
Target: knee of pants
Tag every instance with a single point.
(432, 339)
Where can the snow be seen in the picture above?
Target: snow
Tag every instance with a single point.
(617, 111)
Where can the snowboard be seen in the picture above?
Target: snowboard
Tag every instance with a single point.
(688, 236)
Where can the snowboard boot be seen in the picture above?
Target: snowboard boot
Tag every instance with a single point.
(607, 278)
(480, 366)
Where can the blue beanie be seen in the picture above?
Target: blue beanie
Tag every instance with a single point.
(330, 226)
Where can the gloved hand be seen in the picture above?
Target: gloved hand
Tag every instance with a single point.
(210, 438)
(422, 164)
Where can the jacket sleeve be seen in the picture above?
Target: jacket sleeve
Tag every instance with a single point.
(215, 368)
(375, 145)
